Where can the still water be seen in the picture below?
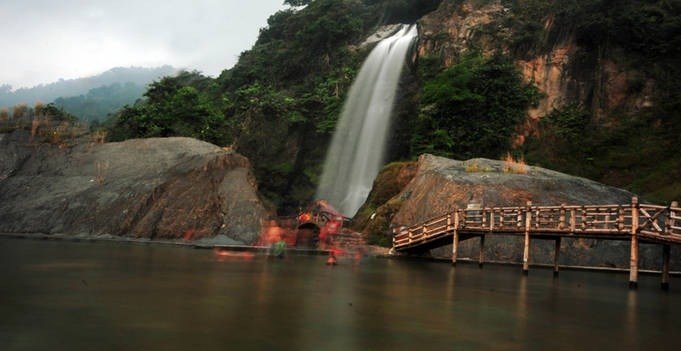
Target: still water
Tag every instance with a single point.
(104, 296)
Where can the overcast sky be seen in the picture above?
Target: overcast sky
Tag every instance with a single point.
(44, 40)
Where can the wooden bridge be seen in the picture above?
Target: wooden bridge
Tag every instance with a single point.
(631, 222)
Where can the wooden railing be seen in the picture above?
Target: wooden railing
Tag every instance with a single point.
(654, 222)
(633, 222)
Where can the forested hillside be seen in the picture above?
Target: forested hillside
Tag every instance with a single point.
(588, 87)
(79, 96)
(100, 102)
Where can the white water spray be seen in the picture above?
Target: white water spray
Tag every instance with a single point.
(358, 145)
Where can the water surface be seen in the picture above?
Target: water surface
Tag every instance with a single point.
(104, 296)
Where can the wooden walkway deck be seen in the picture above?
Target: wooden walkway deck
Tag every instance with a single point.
(632, 222)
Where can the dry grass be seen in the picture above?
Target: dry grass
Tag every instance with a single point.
(515, 166)
(61, 135)
(472, 167)
(100, 168)
(39, 126)
(19, 111)
(38, 108)
(475, 167)
(99, 136)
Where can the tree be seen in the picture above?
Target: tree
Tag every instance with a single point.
(175, 106)
(297, 3)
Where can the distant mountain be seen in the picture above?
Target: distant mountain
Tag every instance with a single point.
(139, 76)
(102, 101)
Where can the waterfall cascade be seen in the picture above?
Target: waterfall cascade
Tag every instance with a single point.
(358, 145)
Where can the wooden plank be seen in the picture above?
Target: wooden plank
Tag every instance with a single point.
(455, 242)
(649, 206)
(633, 258)
(670, 218)
(526, 248)
(556, 254)
(584, 220)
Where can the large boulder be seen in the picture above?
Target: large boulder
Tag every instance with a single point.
(440, 185)
(161, 188)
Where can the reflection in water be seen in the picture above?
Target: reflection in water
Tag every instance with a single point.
(631, 320)
(85, 296)
(451, 287)
(522, 309)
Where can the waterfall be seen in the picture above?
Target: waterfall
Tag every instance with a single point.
(358, 145)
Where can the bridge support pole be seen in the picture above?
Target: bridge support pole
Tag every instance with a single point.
(665, 267)
(455, 243)
(555, 257)
(481, 258)
(633, 262)
(526, 250)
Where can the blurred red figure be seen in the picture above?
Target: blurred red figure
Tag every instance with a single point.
(273, 233)
(331, 261)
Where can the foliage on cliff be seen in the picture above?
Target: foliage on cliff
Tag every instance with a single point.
(627, 147)
(279, 104)
(616, 120)
(471, 108)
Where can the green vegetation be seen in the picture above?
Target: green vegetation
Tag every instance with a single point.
(174, 106)
(375, 216)
(639, 152)
(76, 87)
(100, 102)
(279, 104)
(471, 109)
(631, 147)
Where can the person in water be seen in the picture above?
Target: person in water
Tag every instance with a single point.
(331, 261)
(279, 248)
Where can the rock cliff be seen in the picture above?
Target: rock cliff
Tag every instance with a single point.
(440, 185)
(159, 188)
(555, 62)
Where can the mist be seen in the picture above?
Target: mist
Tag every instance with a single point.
(45, 41)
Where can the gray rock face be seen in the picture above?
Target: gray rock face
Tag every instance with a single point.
(446, 184)
(441, 185)
(151, 188)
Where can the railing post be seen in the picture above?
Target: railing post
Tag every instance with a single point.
(491, 220)
(561, 223)
(455, 243)
(555, 257)
(526, 250)
(583, 218)
(606, 220)
(633, 262)
(573, 220)
(449, 222)
(537, 218)
(669, 222)
(620, 219)
(394, 230)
